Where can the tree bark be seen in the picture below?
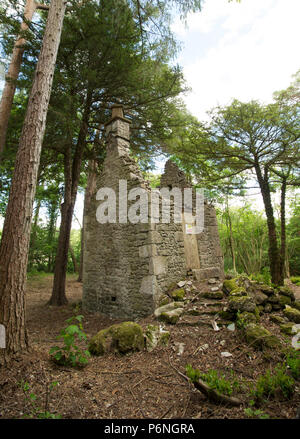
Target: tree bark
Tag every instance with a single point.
(34, 234)
(72, 253)
(53, 213)
(16, 230)
(283, 229)
(13, 72)
(274, 256)
(72, 174)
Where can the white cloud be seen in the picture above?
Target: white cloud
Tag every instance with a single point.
(255, 54)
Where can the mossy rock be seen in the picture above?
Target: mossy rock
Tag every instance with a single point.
(260, 337)
(292, 314)
(257, 313)
(244, 303)
(296, 305)
(285, 291)
(277, 319)
(194, 312)
(260, 298)
(245, 318)
(178, 295)
(284, 300)
(266, 289)
(120, 338)
(217, 295)
(229, 285)
(268, 308)
(168, 307)
(171, 317)
(164, 300)
(238, 292)
(155, 336)
(274, 298)
(286, 328)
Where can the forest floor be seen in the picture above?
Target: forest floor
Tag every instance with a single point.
(140, 385)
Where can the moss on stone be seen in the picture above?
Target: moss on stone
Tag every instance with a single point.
(164, 300)
(246, 317)
(292, 314)
(178, 295)
(268, 308)
(240, 291)
(171, 317)
(260, 337)
(120, 338)
(285, 291)
(286, 328)
(229, 285)
(156, 337)
(276, 319)
(266, 289)
(296, 305)
(284, 300)
(244, 303)
(213, 295)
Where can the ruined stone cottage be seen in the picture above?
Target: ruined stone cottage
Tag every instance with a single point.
(127, 265)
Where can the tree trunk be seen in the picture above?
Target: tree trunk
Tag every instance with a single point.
(13, 72)
(72, 174)
(89, 191)
(75, 265)
(16, 231)
(283, 230)
(80, 273)
(53, 213)
(34, 234)
(274, 256)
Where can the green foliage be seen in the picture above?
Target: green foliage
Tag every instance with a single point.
(264, 276)
(31, 400)
(293, 364)
(193, 374)
(270, 384)
(255, 413)
(215, 380)
(295, 279)
(71, 354)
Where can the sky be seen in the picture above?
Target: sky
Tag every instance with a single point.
(243, 50)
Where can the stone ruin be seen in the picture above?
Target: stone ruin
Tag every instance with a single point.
(127, 267)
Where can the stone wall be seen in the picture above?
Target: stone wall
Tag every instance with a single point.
(127, 267)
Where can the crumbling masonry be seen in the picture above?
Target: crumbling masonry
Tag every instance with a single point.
(128, 267)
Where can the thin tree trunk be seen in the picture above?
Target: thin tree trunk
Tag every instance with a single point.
(72, 174)
(80, 273)
(13, 72)
(283, 229)
(53, 213)
(34, 234)
(16, 231)
(73, 257)
(274, 256)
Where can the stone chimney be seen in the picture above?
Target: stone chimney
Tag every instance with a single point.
(118, 126)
